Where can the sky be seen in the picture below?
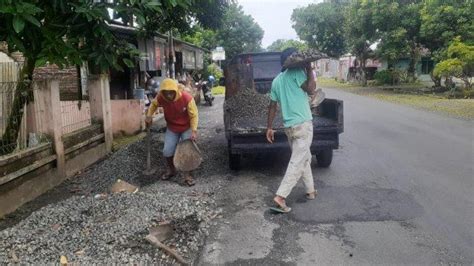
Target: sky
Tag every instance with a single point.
(274, 16)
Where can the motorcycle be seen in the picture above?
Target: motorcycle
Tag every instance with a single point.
(206, 91)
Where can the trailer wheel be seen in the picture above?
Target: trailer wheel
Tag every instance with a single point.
(234, 161)
(324, 158)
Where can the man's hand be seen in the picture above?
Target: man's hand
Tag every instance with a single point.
(308, 67)
(270, 135)
(194, 135)
(148, 121)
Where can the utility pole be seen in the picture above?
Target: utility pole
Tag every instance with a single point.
(172, 56)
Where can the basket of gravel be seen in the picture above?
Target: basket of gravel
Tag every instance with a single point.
(299, 59)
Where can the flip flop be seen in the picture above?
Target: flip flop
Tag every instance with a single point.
(280, 209)
(189, 182)
(167, 176)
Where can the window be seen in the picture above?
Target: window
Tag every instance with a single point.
(427, 66)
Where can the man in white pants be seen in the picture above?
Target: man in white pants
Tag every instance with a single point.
(290, 90)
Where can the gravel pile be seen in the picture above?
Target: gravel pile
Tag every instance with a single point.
(249, 110)
(97, 227)
(110, 229)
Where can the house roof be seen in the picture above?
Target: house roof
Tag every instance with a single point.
(132, 31)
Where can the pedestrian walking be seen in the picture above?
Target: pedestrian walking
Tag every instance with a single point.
(290, 90)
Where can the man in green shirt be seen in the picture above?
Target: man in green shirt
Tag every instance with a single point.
(290, 90)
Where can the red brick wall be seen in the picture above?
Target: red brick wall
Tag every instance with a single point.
(67, 76)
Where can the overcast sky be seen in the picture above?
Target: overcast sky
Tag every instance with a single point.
(274, 16)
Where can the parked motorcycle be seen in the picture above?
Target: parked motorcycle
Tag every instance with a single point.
(206, 91)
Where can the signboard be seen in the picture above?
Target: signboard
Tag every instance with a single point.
(218, 54)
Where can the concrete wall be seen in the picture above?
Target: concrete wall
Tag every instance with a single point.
(27, 175)
(127, 117)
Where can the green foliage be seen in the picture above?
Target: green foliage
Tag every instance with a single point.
(206, 38)
(391, 76)
(321, 26)
(281, 44)
(383, 77)
(449, 68)
(239, 32)
(442, 21)
(70, 32)
(218, 90)
(398, 24)
(460, 63)
(215, 70)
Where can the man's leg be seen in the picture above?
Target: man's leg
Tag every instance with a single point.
(295, 168)
(171, 140)
(307, 172)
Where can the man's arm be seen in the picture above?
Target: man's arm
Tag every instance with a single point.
(309, 85)
(272, 108)
(193, 118)
(151, 111)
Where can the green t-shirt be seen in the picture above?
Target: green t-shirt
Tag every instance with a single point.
(287, 91)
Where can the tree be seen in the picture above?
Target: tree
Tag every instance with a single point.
(239, 32)
(69, 32)
(398, 24)
(205, 38)
(444, 20)
(441, 22)
(281, 44)
(460, 63)
(321, 26)
(361, 33)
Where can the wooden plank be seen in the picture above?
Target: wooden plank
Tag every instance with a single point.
(25, 170)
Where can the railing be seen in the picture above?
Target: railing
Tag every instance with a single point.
(75, 107)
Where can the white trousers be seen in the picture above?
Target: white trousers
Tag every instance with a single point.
(300, 138)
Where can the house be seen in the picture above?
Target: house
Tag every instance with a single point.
(156, 60)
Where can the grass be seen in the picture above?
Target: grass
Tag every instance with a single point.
(332, 83)
(218, 90)
(120, 142)
(459, 108)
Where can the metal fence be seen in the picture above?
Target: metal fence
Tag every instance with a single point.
(10, 71)
(75, 107)
(20, 125)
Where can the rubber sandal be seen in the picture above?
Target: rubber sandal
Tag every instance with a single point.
(167, 176)
(280, 209)
(189, 182)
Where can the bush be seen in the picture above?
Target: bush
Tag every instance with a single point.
(216, 71)
(391, 77)
(383, 77)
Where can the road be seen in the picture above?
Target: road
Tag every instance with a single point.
(399, 191)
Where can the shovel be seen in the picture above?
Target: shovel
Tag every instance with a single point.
(148, 170)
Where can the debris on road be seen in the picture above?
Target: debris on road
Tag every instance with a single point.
(154, 240)
(123, 186)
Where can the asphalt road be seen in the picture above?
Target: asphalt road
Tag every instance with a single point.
(399, 191)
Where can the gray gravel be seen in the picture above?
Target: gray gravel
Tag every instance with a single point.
(87, 228)
(249, 110)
